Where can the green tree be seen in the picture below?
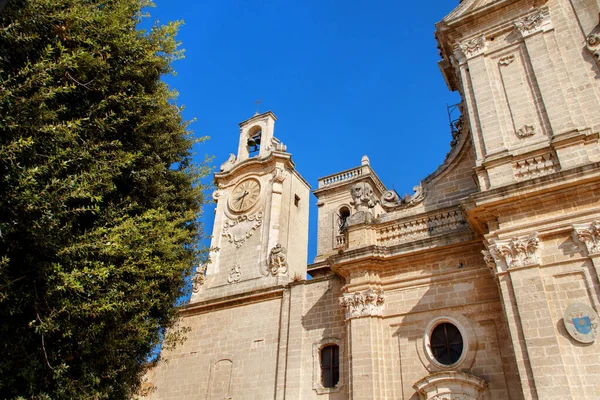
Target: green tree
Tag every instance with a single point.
(99, 199)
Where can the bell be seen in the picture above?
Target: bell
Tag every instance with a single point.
(251, 142)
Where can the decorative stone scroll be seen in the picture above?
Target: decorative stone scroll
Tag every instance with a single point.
(536, 22)
(248, 224)
(363, 196)
(277, 261)
(279, 175)
(199, 278)
(592, 44)
(391, 200)
(473, 47)
(363, 304)
(517, 252)
(588, 234)
(506, 60)
(525, 131)
(234, 274)
(490, 261)
(228, 165)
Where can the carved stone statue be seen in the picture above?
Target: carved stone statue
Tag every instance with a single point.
(278, 260)
(362, 194)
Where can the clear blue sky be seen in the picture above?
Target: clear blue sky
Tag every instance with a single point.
(345, 79)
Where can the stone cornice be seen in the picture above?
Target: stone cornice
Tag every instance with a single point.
(255, 296)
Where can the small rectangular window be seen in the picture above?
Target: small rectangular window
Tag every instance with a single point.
(330, 366)
(296, 200)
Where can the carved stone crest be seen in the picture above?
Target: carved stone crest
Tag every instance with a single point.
(588, 234)
(199, 278)
(517, 252)
(526, 131)
(360, 304)
(234, 274)
(278, 260)
(362, 194)
(241, 228)
(581, 321)
(506, 60)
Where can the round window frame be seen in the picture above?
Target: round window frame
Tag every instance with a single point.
(466, 358)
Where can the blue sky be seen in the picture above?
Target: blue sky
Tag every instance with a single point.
(345, 79)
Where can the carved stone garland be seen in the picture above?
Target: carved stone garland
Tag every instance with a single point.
(239, 241)
(360, 304)
(278, 261)
(517, 252)
(588, 234)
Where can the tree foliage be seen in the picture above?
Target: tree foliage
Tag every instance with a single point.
(98, 197)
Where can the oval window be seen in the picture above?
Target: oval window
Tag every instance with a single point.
(446, 343)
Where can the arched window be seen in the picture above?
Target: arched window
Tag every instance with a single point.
(330, 365)
(254, 139)
(446, 343)
(343, 215)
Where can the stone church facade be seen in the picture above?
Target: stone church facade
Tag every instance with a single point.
(484, 284)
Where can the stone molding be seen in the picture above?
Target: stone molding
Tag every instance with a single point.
(277, 261)
(517, 251)
(451, 385)
(589, 235)
(367, 303)
(532, 167)
(538, 21)
(421, 228)
(239, 240)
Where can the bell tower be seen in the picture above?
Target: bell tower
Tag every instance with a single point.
(260, 232)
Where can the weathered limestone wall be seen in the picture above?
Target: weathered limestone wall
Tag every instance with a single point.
(229, 353)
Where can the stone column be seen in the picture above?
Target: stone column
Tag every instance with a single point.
(364, 327)
(539, 360)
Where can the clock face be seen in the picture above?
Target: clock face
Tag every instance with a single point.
(245, 195)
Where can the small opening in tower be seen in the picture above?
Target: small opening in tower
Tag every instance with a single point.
(296, 200)
(344, 213)
(254, 139)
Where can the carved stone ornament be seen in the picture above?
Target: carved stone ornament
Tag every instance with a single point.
(361, 304)
(362, 194)
(199, 278)
(276, 145)
(279, 175)
(592, 43)
(581, 321)
(234, 274)
(526, 131)
(227, 165)
(451, 385)
(506, 60)
(390, 199)
(588, 234)
(490, 261)
(278, 260)
(473, 46)
(536, 22)
(517, 252)
(241, 228)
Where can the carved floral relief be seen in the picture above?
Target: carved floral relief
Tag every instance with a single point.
(473, 47)
(517, 252)
(367, 303)
(199, 278)
(588, 234)
(234, 274)
(533, 23)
